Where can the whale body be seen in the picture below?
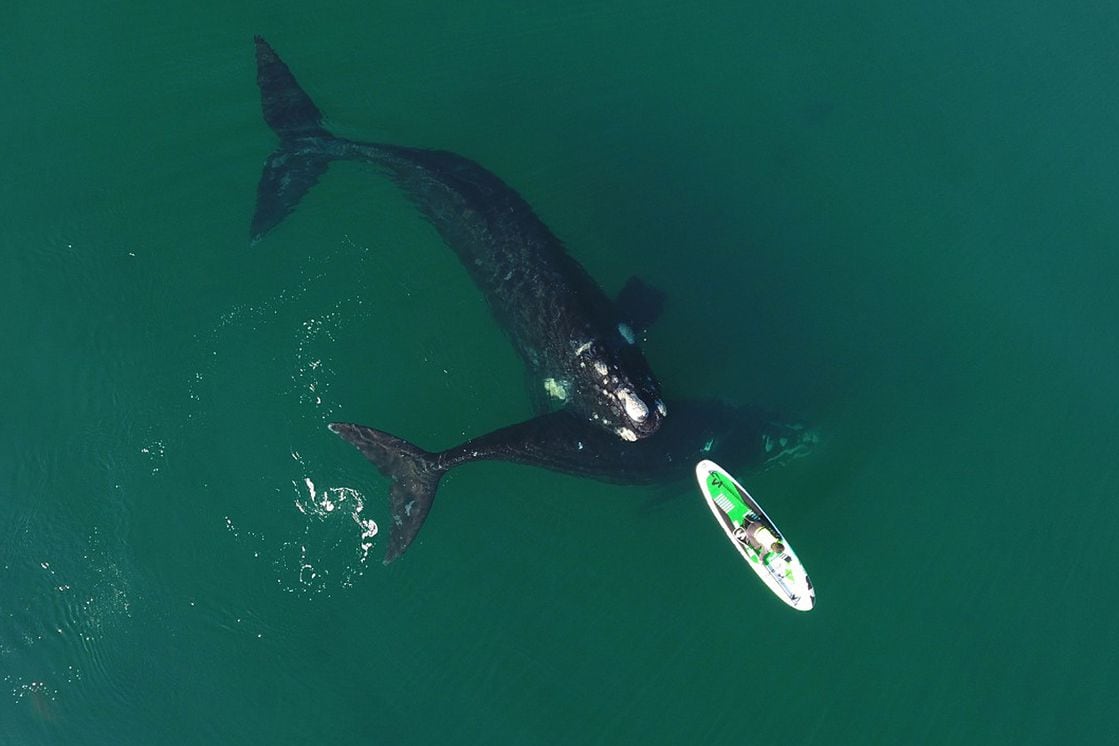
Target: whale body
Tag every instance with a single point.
(577, 344)
(751, 438)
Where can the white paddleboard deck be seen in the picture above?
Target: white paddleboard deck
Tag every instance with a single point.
(736, 510)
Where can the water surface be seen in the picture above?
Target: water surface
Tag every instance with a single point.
(896, 222)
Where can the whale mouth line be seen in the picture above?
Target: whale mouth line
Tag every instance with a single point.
(648, 423)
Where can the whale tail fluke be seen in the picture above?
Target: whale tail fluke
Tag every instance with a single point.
(286, 177)
(415, 475)
(294, 167)
(287, 107)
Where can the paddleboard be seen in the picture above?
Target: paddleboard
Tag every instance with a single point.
(752, 533)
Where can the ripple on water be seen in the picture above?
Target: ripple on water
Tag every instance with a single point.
(67, 616)
(329, 548)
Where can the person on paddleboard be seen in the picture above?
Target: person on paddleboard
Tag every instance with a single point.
(758, 535)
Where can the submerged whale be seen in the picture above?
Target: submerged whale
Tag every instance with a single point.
(578, 345)
(749, 438)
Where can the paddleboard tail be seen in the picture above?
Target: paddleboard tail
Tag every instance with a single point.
(415, 475)
(301, 158)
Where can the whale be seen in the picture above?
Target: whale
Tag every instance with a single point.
(750, 438)
(579, 347)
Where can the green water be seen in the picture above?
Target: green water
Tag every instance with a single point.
(897, 222)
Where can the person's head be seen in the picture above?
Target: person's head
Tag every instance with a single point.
(777, 547)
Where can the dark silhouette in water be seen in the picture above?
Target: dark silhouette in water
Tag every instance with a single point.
(578, 345)
(745, 437)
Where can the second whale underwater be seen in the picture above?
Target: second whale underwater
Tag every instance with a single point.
(578, 345)
(751, 438)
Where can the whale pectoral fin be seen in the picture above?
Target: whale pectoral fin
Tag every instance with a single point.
(640, 304)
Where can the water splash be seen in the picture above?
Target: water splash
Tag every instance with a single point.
(312, 378)
(311, 375)
(329, 549)
(333, 549)
(155, 452)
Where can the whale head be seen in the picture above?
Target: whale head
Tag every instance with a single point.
(614, 388)
(747, 436)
